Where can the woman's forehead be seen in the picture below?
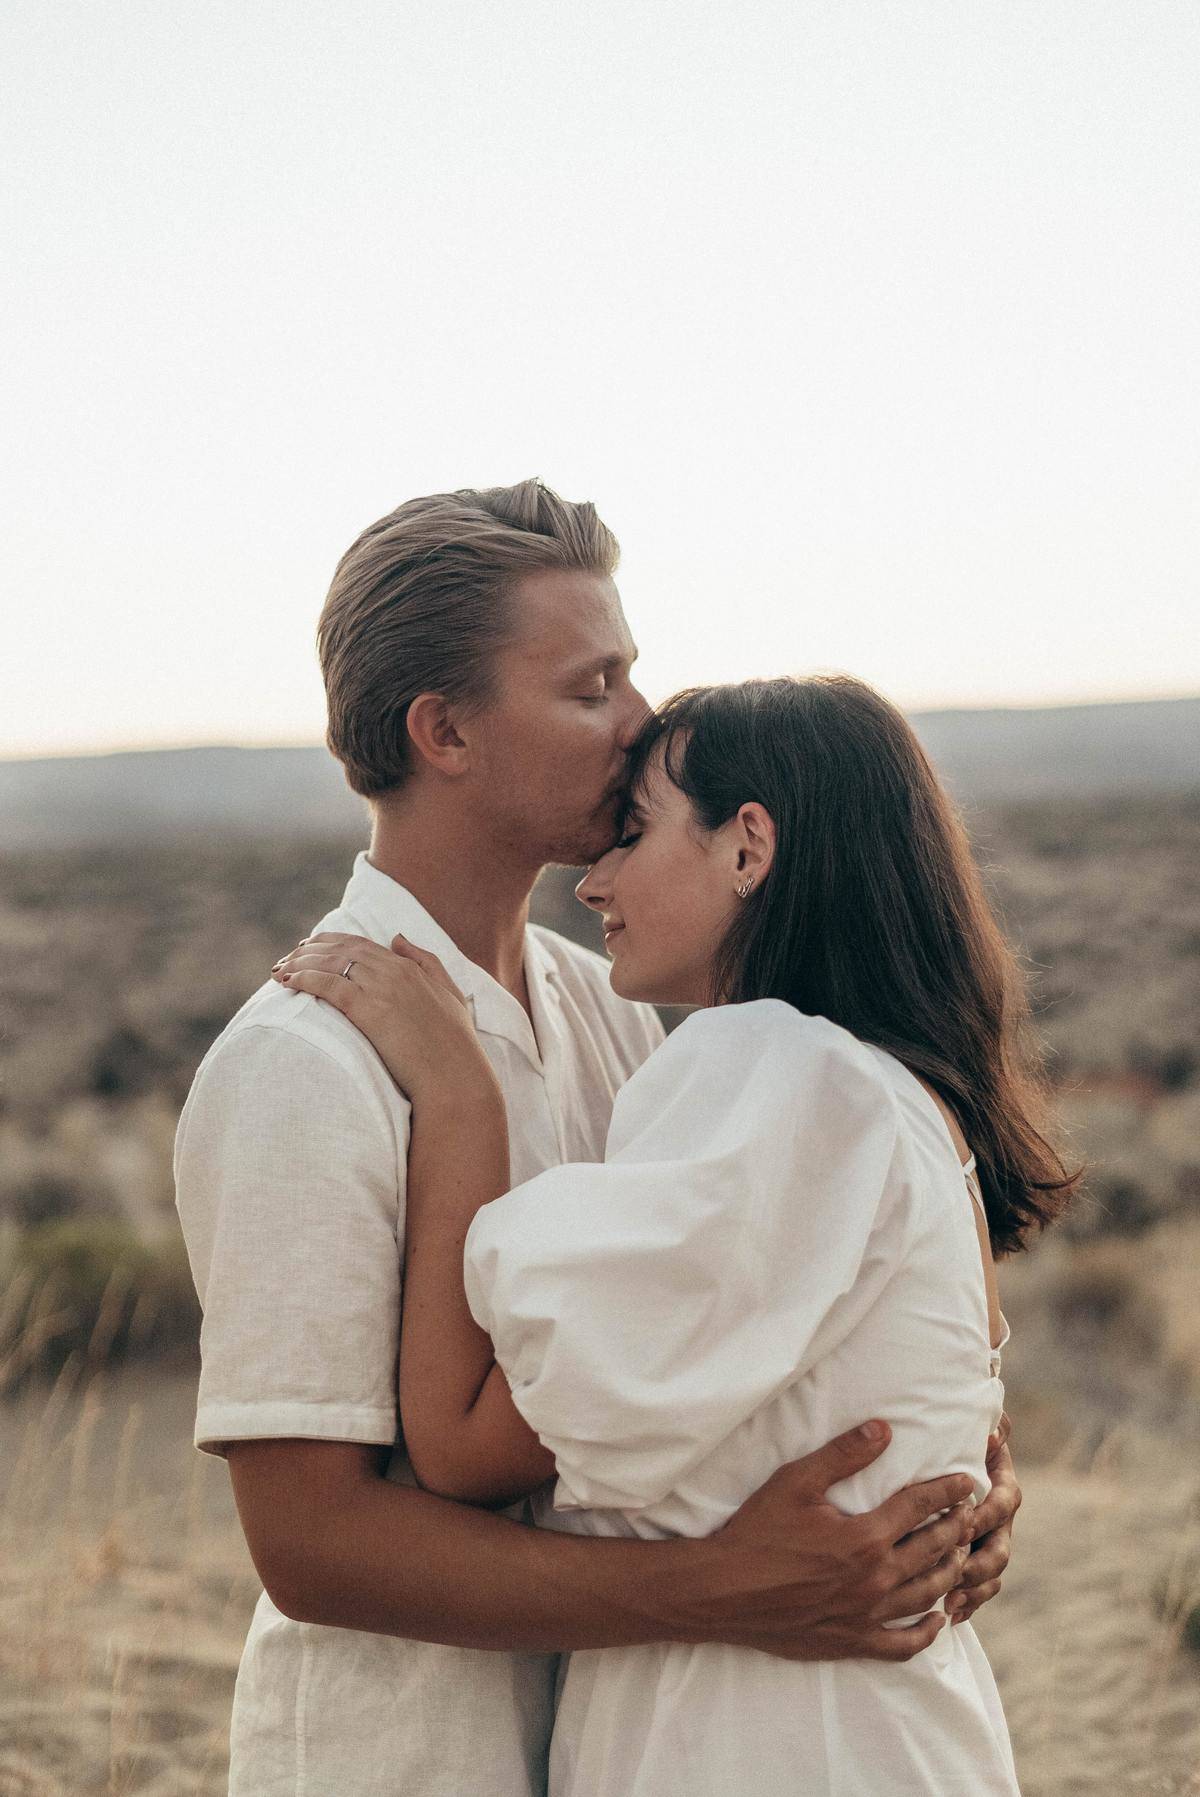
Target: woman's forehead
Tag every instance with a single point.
(652, 788)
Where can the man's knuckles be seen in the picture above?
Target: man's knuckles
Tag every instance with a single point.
(875, 1540)
(987, 1563)
(875, 1586)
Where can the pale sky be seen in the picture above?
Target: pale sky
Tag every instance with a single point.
(871, 328)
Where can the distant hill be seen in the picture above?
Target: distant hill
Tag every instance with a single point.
(987, 757)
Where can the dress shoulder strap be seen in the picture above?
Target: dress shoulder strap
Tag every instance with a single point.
(972, 1179)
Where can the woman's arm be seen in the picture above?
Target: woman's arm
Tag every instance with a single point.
(463, 1433)
(465, 1437)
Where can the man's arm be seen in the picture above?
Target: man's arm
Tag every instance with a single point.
(335, 1543)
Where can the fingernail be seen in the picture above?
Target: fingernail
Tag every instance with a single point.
(955, 1601)
(874, 1431)
(277, 966)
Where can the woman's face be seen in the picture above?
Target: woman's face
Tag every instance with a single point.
(666, 892)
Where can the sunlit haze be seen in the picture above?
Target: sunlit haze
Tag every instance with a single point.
(871, 330)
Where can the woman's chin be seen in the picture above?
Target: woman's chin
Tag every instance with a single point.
(624, 981)
(640, 988)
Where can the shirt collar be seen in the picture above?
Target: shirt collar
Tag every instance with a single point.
(387, 909)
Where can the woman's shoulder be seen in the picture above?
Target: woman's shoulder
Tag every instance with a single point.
(767, 1048)
(769, 1027)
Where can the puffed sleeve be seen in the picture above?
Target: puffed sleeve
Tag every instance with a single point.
(642, 1308)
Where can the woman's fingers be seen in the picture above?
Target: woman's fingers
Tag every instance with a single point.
(330, 986)
(341, 950)
(287, 970)
(428, 963)
(330, 943)
(308, 961)
(327, 946)
(372, 970)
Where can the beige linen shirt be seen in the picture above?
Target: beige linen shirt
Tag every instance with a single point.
(290, 1175)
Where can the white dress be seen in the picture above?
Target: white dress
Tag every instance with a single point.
(776, 1247)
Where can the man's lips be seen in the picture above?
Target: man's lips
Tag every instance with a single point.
(611, 930)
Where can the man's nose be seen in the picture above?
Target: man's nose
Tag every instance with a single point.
(636, 711)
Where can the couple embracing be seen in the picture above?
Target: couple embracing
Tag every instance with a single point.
(478, 1249)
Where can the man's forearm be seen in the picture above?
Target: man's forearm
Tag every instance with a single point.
(394, 1560)
(336, 1543)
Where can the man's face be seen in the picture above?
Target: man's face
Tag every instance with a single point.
(564, 713)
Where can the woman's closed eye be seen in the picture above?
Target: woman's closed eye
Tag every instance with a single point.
(627, 840)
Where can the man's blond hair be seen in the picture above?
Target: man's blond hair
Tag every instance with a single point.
(420, 604)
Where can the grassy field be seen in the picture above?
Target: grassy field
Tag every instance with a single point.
(125, 1591)
(124, 1585)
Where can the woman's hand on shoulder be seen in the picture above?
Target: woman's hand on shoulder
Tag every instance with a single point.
(403, 1001)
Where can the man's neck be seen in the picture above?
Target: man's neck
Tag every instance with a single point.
(478, 897)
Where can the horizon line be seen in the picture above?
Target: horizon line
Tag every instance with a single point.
(180, 746)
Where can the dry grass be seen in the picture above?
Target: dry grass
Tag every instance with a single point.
(1101, 1688)
(125, 1591)
(124, 1594)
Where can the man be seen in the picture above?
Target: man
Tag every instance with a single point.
(477, 665)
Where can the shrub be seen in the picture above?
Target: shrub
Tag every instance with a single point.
(43, 1197)
(1176, 1597)
(90, 1286)
(1098, 1299)
(123, 1066)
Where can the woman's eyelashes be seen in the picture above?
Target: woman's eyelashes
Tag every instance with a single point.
(632, 826)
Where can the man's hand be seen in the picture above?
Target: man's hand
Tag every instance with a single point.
(799, 1579)
(993, 1522)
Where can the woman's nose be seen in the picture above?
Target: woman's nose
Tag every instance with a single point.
(595, 888)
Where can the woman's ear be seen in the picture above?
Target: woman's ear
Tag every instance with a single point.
(755, 843)
(434, 734)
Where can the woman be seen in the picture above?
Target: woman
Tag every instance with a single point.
(792, 1228)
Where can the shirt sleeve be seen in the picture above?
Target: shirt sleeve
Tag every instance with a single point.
(642, 1309)
(290, 1183)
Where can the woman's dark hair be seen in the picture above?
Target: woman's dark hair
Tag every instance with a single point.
(873, 913)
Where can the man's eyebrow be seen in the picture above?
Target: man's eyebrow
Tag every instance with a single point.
(602, 664)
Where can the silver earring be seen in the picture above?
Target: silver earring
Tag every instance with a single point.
(745, 889)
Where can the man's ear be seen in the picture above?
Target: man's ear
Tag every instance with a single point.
(754, 841)
(434, 734)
